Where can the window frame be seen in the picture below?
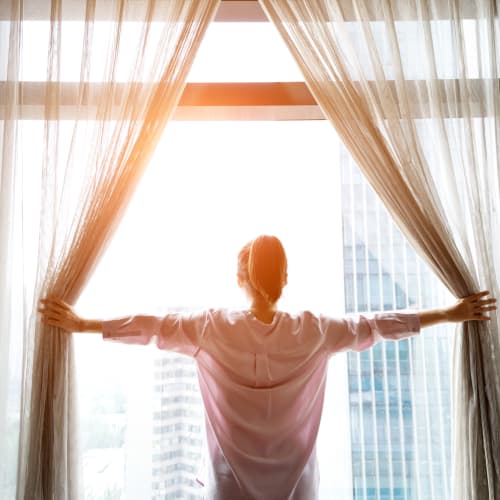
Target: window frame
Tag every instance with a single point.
(208, 101)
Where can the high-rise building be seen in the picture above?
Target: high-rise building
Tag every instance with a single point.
(177, 428)
(399, 392)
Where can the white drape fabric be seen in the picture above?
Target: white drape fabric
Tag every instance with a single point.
(412, 89)
(59, 208)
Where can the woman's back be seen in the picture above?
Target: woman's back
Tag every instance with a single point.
(262, 387)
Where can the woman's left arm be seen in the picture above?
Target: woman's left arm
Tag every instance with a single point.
(472, 308)
(177, 332)
(56, 312)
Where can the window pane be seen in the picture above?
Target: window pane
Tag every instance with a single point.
(255, 53)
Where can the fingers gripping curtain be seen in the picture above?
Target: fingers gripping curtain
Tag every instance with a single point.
(131, 76)
(412, 89)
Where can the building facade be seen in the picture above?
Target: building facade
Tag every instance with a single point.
(399, 392)
(178, 431)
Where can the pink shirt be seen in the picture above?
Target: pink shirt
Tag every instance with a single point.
(263, 387)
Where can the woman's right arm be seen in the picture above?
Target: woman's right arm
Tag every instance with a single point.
(360, 333)
(472, 308)
(56, 312)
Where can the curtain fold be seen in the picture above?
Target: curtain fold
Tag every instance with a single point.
(412, 89)
(65, 185)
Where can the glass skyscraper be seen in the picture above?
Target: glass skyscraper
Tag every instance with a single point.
(399, 392)
(178, 428)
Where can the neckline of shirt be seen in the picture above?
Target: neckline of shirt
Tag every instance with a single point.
(276, 318)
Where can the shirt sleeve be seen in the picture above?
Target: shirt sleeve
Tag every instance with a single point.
(174, 332)
(362, 332)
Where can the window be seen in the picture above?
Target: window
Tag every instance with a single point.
(211, 186)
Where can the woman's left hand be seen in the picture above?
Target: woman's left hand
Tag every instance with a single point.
(56, 312)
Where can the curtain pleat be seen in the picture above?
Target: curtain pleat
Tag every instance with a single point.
(412, 89)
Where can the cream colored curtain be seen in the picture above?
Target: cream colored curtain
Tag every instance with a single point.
(75, 143)
(412, 89)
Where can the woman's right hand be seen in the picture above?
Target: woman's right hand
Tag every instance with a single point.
(56, 312)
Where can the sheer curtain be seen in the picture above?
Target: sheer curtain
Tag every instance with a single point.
(65, 184)
(412, 89)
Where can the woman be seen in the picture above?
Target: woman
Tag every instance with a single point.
(262, 372)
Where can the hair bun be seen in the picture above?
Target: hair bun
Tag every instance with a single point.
(267, 267)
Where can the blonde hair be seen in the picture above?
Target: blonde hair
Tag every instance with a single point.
(262, 263)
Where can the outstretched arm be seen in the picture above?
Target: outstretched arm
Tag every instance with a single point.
(471, 308)
(56, 312)
(176, 332)
(360, 333)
